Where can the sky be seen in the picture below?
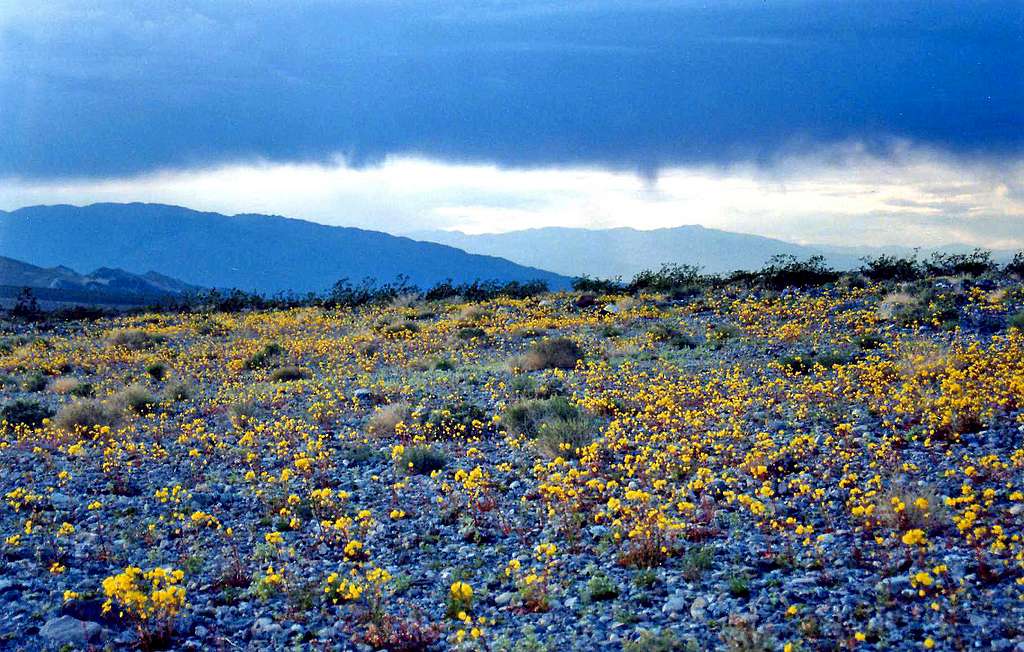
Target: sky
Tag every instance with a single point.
(838, 122)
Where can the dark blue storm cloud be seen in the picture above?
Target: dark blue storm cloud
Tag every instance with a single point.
(112, 88)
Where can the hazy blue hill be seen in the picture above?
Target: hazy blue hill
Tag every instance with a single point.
(252, 252)
(16, 273)
(624, 252)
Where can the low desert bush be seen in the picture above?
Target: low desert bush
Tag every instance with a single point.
(65, 385)
(243, 412)
(34, 382)
(553, 353)
(455, 419)
(85, 413)
(24, 411)
(667, 334)
(265, 357)
(906, 507)
(134, 338)
(562, 437)
(136, 399)
(178, 390)
(471, 333)
(286, 374)
(383, 421)
(422, 460)
(526, 417)
(156, 370)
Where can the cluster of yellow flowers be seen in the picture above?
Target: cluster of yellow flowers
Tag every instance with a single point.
(155, 596)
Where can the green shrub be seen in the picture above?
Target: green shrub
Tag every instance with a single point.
(784, 271)
(600, 587)
(455, 420)
(891, 268)
(286, 374)
(664, 640)
(721, 333)
(807, 363)
(561, 437)
(558, 426)
(85, 413)
(670, 278)
(665, 333)
(528, 387)
(432, 363)
(697, 560)
(470, 333)
(265, 357)
(526, 417)
(739, 585)
(976, 263)
(401, 330)
(422, 460)
(869, 342)
(23, 411)
(156, 370)
(34, 382)
(1016, 320)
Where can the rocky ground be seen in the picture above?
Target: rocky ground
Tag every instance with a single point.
(836, 468)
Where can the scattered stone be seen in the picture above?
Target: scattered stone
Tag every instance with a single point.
(65, 630)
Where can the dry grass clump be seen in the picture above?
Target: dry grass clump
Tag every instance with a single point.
(87, 413)
(135, 398)
(473, 313)
(894, 304)
(922, 357)
(385, 419)
(905, 507)
(178, 390)
(368, 347)
(65, 385)
(243, 412)
(554, 353)
(134, 338)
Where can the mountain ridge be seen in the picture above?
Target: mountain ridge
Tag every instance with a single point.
(249, 251)
(625, 251)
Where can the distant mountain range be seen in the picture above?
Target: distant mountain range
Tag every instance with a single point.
(259, 253)
(104, 280)
(144, 248)
(624, 252)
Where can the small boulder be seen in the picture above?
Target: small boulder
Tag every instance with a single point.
(66, 630)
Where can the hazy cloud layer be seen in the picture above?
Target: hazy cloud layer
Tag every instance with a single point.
(116, 88)
(840, 195)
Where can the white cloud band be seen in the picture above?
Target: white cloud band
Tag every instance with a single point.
(841, 195)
